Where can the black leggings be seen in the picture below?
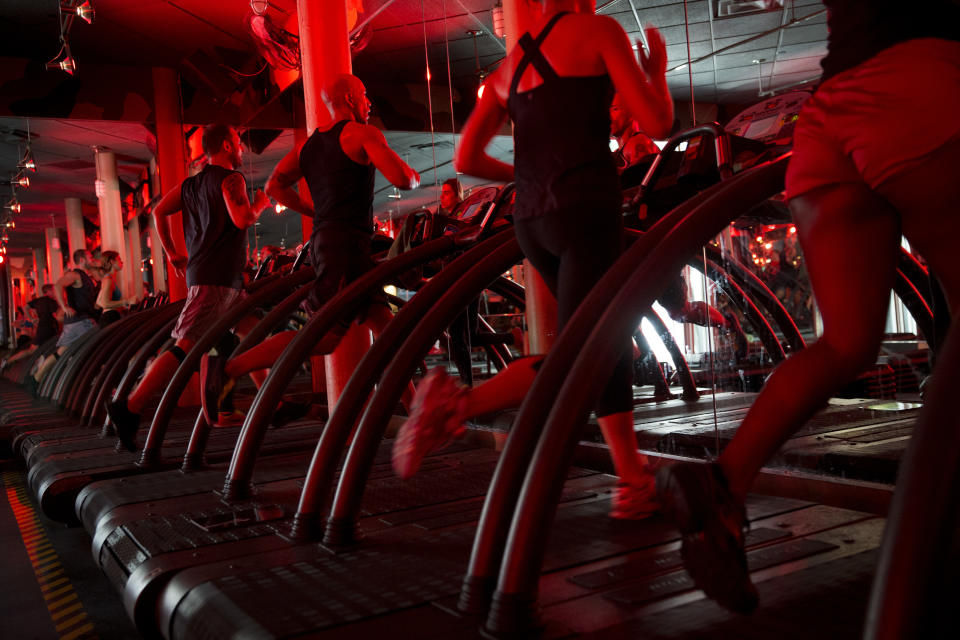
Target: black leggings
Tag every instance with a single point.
(572, 250)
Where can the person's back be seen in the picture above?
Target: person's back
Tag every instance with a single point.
(341, 188)
(215, 245)
(82, 298)
(559, 98)
(45, 308)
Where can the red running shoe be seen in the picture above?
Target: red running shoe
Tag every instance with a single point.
(712, 522)
(635, 501)
(436, 418)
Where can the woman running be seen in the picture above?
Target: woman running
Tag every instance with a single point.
(557, 86)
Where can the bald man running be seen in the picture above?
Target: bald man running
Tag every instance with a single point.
(338, 163)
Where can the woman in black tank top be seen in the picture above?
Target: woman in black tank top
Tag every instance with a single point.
(557, 86)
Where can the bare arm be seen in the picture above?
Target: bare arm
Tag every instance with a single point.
(280, 184)
(170, 204)
(59, 291)
(644, 90)
(387, 161)
(484, 123)
(241, 211)
(104, 298)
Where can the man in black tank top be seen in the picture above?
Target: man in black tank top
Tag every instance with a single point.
(76, 295)
(216, 214)
(42, 312)
(338, 164)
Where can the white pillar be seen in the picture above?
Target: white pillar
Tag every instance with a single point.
(39, 268)
(76, 238)
(54, 253)
(135, 289)
(112, 237)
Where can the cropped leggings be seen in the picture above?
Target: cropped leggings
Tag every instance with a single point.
(572, 249)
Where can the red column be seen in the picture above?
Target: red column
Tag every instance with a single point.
(541, 306)
(300, 134)
(324, 54)
(171, 162)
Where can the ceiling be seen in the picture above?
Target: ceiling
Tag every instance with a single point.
(148, 33)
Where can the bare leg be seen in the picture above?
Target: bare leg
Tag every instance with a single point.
(21, 354)
(617, 430)
(850, 237)
(157, 376)
(505, 390)
(47, 364)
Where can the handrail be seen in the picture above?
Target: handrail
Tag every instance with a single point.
(89, 367)
(369, 371)
(536, 505)
(196, 447)
(72, 360)
(240, 471)
(163, 316)
(260, 292)
(752, 284)
(690, 392)
(114, 365)
(721, 142)
(748, 308)
(498, 254)
(147, 350)
(498, 507)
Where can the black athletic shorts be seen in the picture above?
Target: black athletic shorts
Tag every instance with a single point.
(572, 249)
(339, 256)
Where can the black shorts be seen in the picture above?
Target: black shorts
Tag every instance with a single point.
(339, 256)
(43, 334)
(572, 249)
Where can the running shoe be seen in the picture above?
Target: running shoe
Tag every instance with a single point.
(227, 419)
(635, 501)
(126, 423)
(436, 418)
(215, 386)
(712, 524)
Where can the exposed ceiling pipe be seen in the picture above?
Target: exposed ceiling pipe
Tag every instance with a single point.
(750, 39)
(483, 27)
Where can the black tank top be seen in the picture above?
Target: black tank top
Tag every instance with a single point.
(860, 29)
(215, 246)
(82, 299)
(562, 136)
(342, 190)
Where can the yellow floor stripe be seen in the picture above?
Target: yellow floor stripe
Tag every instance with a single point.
(46, 586)
(76, 633)
(58, 592)
(59, 614)
(71, 622)
(53, 606)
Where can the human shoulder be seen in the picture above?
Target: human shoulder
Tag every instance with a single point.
(363, 131)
